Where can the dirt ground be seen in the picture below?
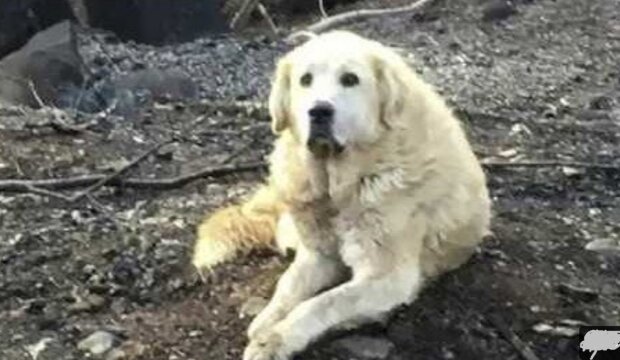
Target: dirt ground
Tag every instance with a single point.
(542, 84)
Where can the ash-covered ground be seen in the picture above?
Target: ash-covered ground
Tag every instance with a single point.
(541, 84)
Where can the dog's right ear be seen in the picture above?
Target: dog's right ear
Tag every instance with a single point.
(279, 98)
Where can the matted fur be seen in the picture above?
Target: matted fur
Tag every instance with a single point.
(405, 200)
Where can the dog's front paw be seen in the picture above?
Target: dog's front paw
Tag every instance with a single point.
(267, 347)
(264, 321)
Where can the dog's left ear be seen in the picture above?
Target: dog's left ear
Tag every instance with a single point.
(391, 75)
(279, 98)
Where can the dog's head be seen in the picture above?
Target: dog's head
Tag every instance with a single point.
(337, 91)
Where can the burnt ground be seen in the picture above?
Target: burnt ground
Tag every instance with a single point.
(542, 84)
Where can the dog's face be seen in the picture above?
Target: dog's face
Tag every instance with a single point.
(330, 93)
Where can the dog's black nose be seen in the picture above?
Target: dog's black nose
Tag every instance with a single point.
(321, 112)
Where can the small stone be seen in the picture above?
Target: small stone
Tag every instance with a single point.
(195, 333)
(535, 308)
(92, 302)
(572, 322)
(601, 102)
(519, 129)
(365, 347)
(116, 354)
(551, 111)
(95, 300)
(593, 115)
(559, 330)
(571, 171)
(127, 350)
(98, 342)
(175, 284)
(578, 293)
(79, 306)
(166, 152)
(447, 354)
(497, 10)
(508, 153)
(89, 269)
(606, 246)
(36, 349)
(252, 306)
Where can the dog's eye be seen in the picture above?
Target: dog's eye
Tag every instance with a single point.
(306, 80)
(349, 79)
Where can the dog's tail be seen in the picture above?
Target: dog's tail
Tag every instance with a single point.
(238, 228)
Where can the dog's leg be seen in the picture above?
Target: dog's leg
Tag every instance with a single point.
(367, 297)
(386, 273)
(309, 273)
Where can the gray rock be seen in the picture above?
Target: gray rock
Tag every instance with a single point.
(143, 87)
(20, 19)
(364, 347)
(601, 102)
(98, 342)
(50, 61)
(609, 246)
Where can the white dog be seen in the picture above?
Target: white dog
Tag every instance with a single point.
(371, 175)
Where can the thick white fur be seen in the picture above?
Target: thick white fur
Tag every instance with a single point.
(405, 201)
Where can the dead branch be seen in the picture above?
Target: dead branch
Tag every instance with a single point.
(521, 346)
(322, 9)
(548, 163)
(356, 15)
(120, 171)
(57, 116)
(32, 187)
(265, 14)
(53, 194)
(242, 16)
(35, 94)
(16, 185)
(58, 123)
(44, 186)
(175, 182)
(64, 128)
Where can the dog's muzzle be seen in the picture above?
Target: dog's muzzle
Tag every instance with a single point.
(321, 141)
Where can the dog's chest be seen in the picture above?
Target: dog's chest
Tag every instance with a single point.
(326, 228)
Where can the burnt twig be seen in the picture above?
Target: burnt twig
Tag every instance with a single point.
(120, 171)
(242, 16)
(548, 163)
(265, 14)
(356, 15)
(39, 187)
(53, 194)
(322, 9)
(523, 348)
(35, 94)
(57, 116)
(16, 185)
